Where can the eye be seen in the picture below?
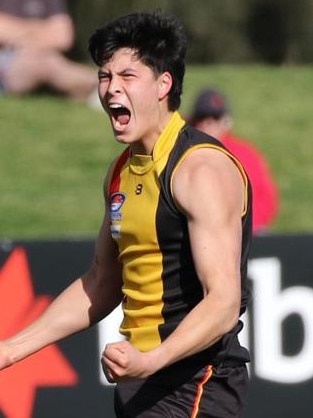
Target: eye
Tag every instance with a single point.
(128, 75)
(103, 76)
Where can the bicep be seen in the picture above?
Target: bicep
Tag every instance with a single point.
(209, 190)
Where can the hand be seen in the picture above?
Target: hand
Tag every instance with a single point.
(121, 361)
(5, 360)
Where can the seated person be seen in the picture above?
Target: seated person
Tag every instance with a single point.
(34, 35)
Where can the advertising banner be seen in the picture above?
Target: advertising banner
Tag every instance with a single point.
(65, 379)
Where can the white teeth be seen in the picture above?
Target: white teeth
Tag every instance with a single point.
(115, 106)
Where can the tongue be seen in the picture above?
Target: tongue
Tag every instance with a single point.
(123, 119)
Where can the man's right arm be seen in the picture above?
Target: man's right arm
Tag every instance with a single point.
(83, 303)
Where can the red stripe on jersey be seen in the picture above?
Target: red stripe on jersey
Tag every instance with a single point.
(116, 178)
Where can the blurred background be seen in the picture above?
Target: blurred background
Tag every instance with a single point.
(272, 32)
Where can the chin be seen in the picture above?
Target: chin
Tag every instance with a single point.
(123, 138)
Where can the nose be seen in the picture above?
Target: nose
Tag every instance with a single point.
(114, 86)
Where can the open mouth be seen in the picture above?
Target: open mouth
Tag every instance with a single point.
(120, 114)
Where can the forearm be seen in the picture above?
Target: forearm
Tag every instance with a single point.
(55, 32)
(66, 315)
(194, 334)
(200, 329)
(78, 307)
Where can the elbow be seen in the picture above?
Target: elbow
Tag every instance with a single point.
(67, 41)
(64, 42)
(231, 317)
(227, 314)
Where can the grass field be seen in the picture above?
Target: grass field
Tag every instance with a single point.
(54, 153)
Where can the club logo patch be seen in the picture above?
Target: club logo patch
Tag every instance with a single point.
(116, 202)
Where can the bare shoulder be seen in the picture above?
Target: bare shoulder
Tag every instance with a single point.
(209, 159)
(207, 174)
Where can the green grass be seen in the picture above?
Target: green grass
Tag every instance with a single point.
(54, 153)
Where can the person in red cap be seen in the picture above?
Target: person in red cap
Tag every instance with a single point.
(211, 114)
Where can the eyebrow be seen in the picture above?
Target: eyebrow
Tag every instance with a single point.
(123, 71)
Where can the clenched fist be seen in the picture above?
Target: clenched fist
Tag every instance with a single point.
(121, 361)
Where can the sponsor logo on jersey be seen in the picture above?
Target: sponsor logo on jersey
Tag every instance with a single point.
(116, 202)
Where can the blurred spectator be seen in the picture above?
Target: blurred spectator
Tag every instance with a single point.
(34, 35)
(211, 114)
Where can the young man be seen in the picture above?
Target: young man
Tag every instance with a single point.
(211, 114)
(173, 246)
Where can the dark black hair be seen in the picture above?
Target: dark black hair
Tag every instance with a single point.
(159, 42)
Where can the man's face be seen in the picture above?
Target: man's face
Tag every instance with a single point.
(131, 94)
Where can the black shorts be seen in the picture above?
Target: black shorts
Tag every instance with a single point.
(211, 392)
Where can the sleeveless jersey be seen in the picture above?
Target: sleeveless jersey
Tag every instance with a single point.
(160, 283)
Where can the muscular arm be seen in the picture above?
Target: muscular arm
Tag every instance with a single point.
(86, 301)
(55, 32)
(211, 193)
(209, 189)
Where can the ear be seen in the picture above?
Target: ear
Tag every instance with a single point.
(165, 84)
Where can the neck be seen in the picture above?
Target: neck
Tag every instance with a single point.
(145, 145)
